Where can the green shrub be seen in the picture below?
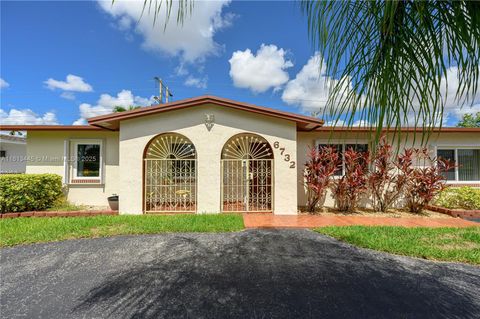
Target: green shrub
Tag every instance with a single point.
(463, 197)
(27, 192)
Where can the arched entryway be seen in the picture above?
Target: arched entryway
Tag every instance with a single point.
(170, 181)
(247, 174)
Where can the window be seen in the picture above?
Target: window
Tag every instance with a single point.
(467, 162)
(448, 155)
(342, 148)
(88, 160)
(3, 154)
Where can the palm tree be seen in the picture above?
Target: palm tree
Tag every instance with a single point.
(389, 58)
(119, 108)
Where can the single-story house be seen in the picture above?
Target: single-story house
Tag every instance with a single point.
(13, 150)
(208, 155)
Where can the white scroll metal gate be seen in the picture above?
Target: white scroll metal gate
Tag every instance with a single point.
(247, 174)
(170, 175)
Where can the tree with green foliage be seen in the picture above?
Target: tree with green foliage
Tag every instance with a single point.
(470, 120)
(119, 108)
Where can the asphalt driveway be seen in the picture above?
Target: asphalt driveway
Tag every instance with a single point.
(250, 274)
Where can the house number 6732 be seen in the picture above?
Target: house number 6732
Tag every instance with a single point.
(286, 156)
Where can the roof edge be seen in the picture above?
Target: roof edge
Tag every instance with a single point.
(144, 111)
(318, 129)
(402, 129)
(50, 128)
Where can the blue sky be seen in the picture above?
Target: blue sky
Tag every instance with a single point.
(256, 52)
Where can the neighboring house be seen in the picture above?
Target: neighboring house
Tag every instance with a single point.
(13, 151)
(207, 154)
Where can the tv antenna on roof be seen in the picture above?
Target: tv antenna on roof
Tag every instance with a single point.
(161, 86)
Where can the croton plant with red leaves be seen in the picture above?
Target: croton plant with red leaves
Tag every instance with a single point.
(347, 189)
(423, 183)
(321, 165)
(384, 184)
(389, 180)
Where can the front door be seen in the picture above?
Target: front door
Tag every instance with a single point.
(247, 175)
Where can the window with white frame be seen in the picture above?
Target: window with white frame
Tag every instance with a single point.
(467, 163)
(88, 160)
(341, 148)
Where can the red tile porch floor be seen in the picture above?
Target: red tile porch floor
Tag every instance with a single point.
(305, 221)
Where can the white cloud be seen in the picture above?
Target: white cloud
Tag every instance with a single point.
(310, 88)
(4, 84)
(192, 41)
(80, 121)
(181, 69)
(200, 83)
(106, 103)
(68, 95)
(27, 117)
(124, 23)
(453, 105)
(73, 83)
(259, 72)
(340, 123)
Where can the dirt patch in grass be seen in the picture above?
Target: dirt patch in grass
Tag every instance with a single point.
(449, 237)
(63, 205)
(451, 241)
(466, 245)
(109, 230)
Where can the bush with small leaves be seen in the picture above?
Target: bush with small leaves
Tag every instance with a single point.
(463, 198)
(29, 192)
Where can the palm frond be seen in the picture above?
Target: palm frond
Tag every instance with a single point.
(390, 58)
(184, 9)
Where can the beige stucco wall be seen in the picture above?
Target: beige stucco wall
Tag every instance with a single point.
(308, 139)
(123, 151)
(45, 151)
(136, 133)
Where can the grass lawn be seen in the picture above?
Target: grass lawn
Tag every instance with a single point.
(17, 231)
(447, 244)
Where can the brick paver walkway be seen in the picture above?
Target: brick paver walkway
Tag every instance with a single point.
(305, 221)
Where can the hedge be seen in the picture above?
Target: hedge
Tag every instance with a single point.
(463, 197)
(29, 192)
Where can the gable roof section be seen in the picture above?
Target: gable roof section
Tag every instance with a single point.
(112, 121)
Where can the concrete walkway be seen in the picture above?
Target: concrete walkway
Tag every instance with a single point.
(307, 221)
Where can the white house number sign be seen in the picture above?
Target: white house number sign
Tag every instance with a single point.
(286, 156)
